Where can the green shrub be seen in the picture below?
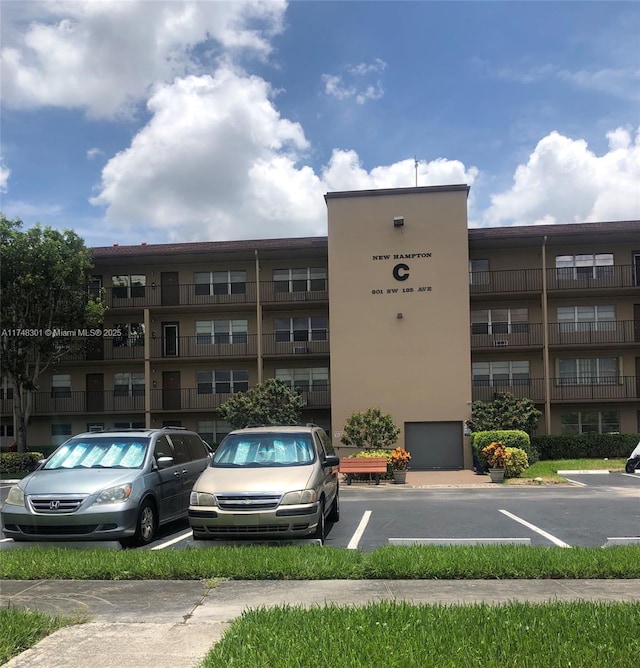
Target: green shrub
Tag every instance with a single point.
(13, 463)
(585, 446)
(511, 438)
(515, 463)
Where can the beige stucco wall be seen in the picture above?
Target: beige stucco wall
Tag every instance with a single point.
(417, 368)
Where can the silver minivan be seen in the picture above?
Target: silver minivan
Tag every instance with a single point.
(267, 482)
(108, 485)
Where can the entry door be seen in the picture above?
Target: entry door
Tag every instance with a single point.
(95, 392)
(636, 322)
(170, 288)
(170, 339)
(638, 378)
(171, 391)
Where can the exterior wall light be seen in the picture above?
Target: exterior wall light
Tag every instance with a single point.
(398, 221)
(399, 316)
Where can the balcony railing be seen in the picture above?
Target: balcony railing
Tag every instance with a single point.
(562, 389)
(192, 294)
(167, 399)
(560, 333)
(585, 333)
(511, 336)
(273, 346)
(203, 346)
(572, 278)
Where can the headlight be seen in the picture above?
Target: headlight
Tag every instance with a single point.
(202, 499)
(118, 494)
(301, 496)
(15, 496)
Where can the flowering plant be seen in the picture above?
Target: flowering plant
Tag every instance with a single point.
(496, 454)
(399, 459)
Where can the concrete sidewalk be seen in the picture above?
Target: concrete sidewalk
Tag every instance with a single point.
(173, 624)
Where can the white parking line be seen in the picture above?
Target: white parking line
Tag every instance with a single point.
(632, 475)
(355, 539)
(548, 536)
(177, 539)
(575, 482)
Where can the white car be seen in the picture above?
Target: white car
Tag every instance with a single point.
(633, 463)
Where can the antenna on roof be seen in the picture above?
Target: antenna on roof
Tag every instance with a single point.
(415, 165)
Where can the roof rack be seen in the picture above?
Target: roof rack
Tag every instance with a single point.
(176, 427)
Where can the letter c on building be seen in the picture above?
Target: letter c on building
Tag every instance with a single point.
(397, 269)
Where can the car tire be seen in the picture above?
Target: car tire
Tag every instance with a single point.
(145, 526)
(632, 465)
(334, 513)
(320, 531)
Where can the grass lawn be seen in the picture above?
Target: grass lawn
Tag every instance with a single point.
(548, 469)
(397, 634)
(20, 629)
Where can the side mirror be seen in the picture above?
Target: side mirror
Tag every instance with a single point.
(331, 460)
(164, 462)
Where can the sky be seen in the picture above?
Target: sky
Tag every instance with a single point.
(137, 121)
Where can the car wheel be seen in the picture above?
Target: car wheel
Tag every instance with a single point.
(334, 513)
(631, 465)
(320, 529)
(145, 527)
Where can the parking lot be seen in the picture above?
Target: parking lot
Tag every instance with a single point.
(592, 510)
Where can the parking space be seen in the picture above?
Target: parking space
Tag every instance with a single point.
(591, 512)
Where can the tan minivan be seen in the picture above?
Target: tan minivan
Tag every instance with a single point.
(267, 482)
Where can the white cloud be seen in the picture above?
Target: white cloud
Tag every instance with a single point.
(355, 85)
(563, 181)
(94, 153)
(5, 172)
(217, 161)
(102, 56)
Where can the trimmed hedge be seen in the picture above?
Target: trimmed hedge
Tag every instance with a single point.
(511, 438)
(587, 446)
(12, 463)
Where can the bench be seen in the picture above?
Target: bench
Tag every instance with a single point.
(370, 465)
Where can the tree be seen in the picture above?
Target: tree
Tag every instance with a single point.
(370, 430)
(504, 412)
(270, 403)
(43, 278)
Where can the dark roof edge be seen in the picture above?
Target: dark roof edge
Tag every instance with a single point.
(380, 192)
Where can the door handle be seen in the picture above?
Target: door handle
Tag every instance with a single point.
(184, 471)
(176, 474)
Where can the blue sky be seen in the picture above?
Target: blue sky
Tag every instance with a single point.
(135, 121)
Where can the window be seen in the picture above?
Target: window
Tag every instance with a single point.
(128, 286)
(494, 374)
(129, 425)
(94, 286)
(478, 272)
(305, 279)
(221, 331)
(213, 431)
(60, 433)
(305, 379)
(590, 422)
(131, 334)
(60, 385)
(300, 329)
(6, 430)
(592, 265)
(586, 318)
(589, 371)
(128, 384)
(220, 282)
(222, 381)
(6, 391)
(500, 321)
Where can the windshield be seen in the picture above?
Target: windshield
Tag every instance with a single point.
(105, 452)
(259, 450)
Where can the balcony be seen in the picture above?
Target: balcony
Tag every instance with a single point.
(191, 294)
(594, 333)
(185, 399)
(273, 347)
(202, 346)
(520, 335)
(622, 388)
(523, 281)
(188, 399)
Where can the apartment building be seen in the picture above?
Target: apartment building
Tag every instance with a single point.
(401, 307)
